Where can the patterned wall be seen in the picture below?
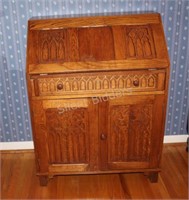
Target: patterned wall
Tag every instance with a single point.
(14, 117)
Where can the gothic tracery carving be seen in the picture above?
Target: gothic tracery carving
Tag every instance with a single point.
(97, 83)
(140, 42)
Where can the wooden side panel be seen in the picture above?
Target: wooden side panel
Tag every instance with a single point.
(159, 116)
(159, 41)
(39, 132)
(31, 49)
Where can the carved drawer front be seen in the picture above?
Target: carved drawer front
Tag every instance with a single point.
(98, 83)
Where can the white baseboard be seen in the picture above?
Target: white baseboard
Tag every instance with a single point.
(175, 138)
(29, 144)
(16, 145)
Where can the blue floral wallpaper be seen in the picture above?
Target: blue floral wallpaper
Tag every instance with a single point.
(14, 14)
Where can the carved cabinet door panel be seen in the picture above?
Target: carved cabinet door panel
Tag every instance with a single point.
(65, 132)
(131, 131)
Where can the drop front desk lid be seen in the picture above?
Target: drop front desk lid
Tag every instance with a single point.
(96, 43)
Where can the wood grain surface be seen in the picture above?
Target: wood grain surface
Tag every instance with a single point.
(18, 180)
(97, 90)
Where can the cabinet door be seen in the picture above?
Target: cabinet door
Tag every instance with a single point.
(131, 133)
(65, 131)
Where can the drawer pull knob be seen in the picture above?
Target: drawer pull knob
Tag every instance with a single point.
(60, 86)
(103, 136)
(136, 83)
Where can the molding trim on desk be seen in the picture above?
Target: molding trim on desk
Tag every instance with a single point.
(29, 144)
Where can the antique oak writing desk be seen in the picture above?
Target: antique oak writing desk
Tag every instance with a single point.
(97, 90)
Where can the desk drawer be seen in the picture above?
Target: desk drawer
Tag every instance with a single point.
(98, 83)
